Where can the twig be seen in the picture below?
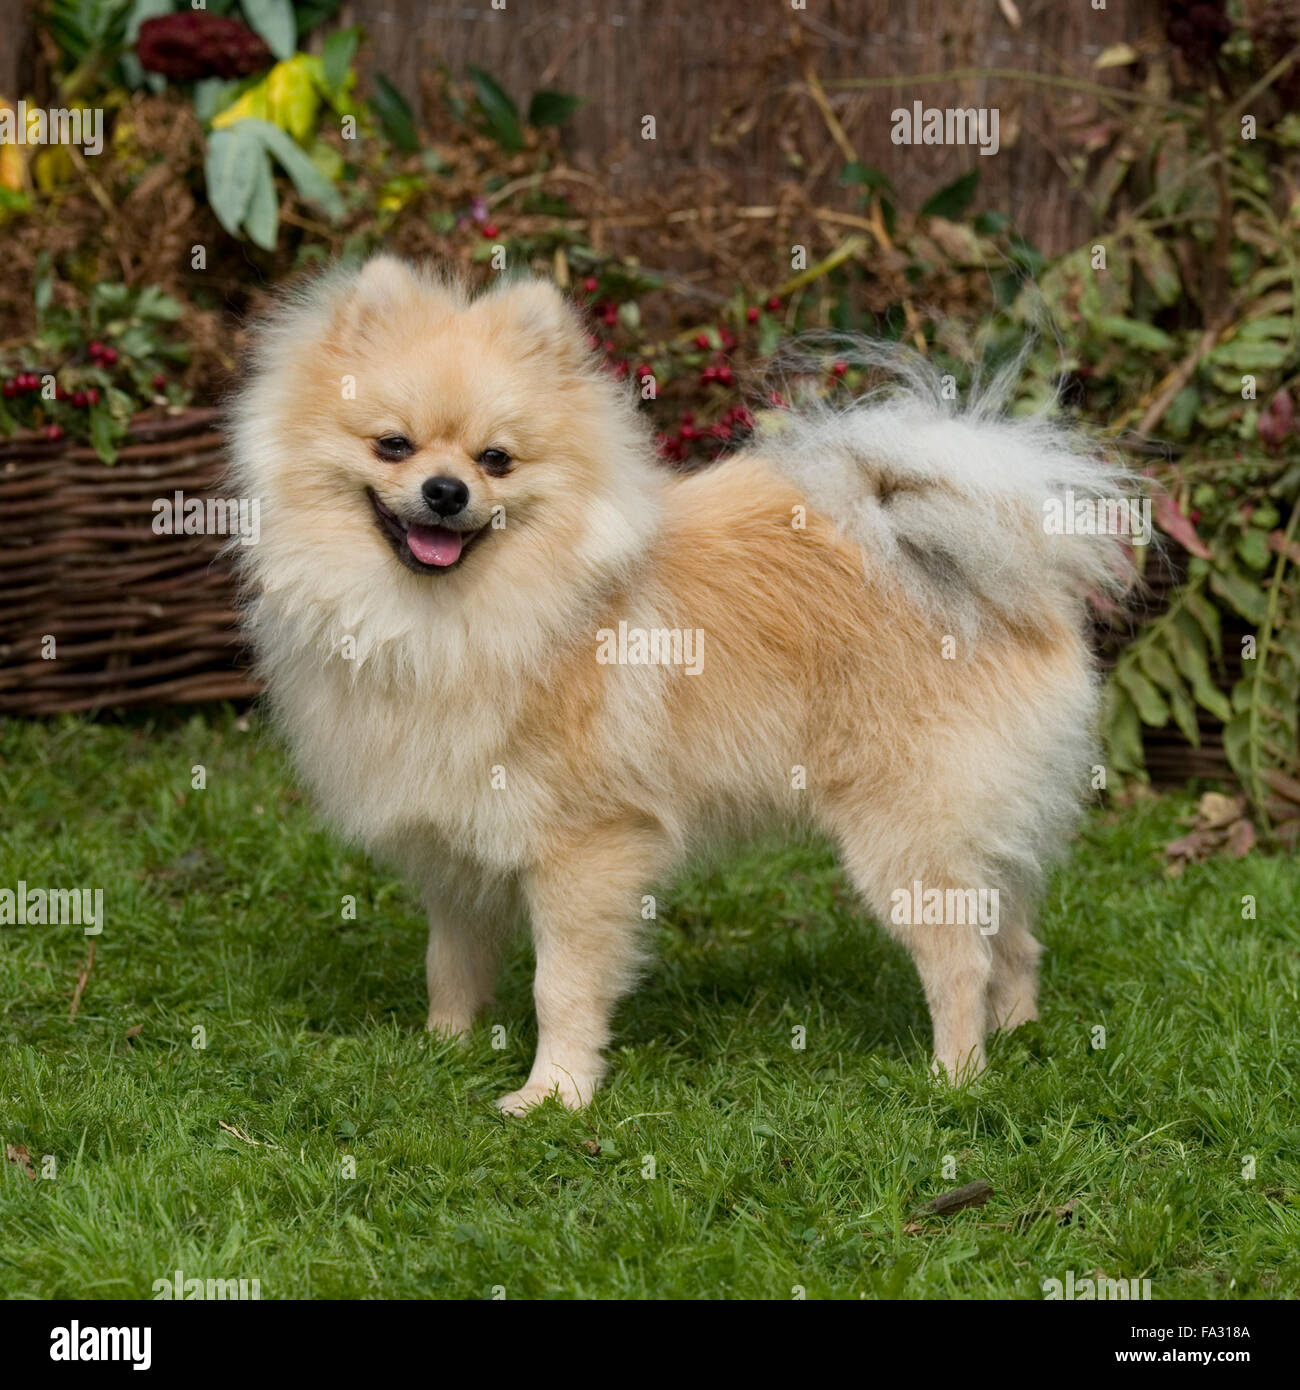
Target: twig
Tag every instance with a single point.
(1174, 382)
(537, 179)
(239, 1134)
(81, 981)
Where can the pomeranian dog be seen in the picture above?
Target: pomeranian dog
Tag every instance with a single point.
(522, 660)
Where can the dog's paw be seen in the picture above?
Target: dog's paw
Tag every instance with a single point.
(572, 1093)
(524, 1099)
(960, 1068)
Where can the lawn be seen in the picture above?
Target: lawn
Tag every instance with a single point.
(364, 1159)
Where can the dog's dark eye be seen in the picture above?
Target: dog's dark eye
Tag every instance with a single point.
(392, 448)
(495, 460)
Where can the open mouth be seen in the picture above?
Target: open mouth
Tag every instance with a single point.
(424, 549)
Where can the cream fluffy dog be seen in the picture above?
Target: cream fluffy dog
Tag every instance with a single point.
(459, 507)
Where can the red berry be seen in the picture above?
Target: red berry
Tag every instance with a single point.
(54, 431)
(92, 395)
(9, 390)
(59, 393)
(591, 284)
(96, 348)
(701, 340)
(79, 400)
(610, 315)
(723, 374)
(607, 346)
(159, 382)
(592, 340)
(644, 370)
(774, 303)
(490, 230)
(109, 356)
(688, 432)
(752, 313)
(839, 368)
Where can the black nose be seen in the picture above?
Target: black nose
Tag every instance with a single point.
(445, 496)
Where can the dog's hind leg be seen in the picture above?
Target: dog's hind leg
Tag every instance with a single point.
(952, 957)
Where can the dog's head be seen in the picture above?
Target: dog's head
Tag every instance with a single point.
(405, 435)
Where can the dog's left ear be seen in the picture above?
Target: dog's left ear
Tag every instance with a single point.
(544, 319)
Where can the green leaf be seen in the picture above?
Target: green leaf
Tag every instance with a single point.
(394, 114)
(952, 201)
(262, 221)
(1241, 593)
(337, 55)
(1241, 354)
(154, 303)
(1181, 415)
(1207, 618)
(231, 170)
(552, 108)
(865, 175)
(1155, 662)
(1124, 735)
(500, 112)
(1157, 265)
(310, 13)
(1252, 550)
(1135, 333)
(307, 178)
(105, 432)
(1150, 704)
(1236, 744)
(43, 289)
(274, 21)
(1188, 644)
(1184, 713)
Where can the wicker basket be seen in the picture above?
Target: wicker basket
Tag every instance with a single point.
(137, 617)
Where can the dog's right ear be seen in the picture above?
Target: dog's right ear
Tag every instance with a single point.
(382, 283)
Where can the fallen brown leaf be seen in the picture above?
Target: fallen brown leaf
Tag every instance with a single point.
(17, 1153)
(1217, 810)
(974, 1194)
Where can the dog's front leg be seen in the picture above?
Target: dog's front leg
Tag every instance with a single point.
(585, 900)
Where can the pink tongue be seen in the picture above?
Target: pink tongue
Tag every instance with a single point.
(434, 545)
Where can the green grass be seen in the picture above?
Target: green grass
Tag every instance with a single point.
(773, 1167)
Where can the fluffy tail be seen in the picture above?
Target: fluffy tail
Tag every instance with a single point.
(989, 519)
